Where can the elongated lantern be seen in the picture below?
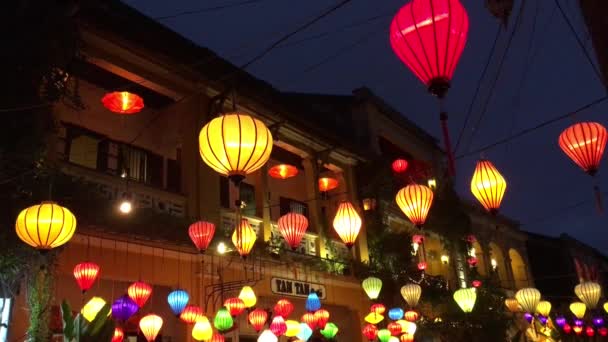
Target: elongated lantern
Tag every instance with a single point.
(578, 309)
(589, 293)
(411, 294)
(202, 330)
(124, 308)
(283, 308)
(283, 171)
(488, 186)
(86, 273)
(235, 145)
(528, 299)
(150, 326)
(330, 331)
(178, 300)
(257, 318)
(327, 184)
(347, 223)
(415, 200)
(373, 318)
(90, 310)
(292, 227)
(544, 308)
(247, 295)
(465, 298)
(139, 292)
(45, 226)
(123, 102)
(201, 233)
(322, 317)
(191, 314)
(372, 287)
(244, 238)
(584, 143)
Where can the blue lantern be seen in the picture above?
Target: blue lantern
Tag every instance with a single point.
(313, 303)
(178, 300)
(395, 313)
(123, 308)
(305, 332)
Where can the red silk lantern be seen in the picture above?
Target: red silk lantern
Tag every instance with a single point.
(419, 239)
(217, 337)
(119, 335)
(378, 309)
(293, 227)
(310, 319)
(395, 328)
(278, 326)
(327, 183)
(322, 317)
(603, 331)
(589, 331)
(472, 261)
(584, 143)
(347, 223)
(235, 306)
(257, 318)
(370, 332)
(191, 314)
(283, 171)
(139, 292)
(399, 165)
(86, 273)
(201, 233)
(123, 102)
(283, 308)
(567, 328)
(415, 201)
(476, 283)
(411, 316)
(422, 265)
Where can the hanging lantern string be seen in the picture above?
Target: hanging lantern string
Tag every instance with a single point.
(140, 259)
(179, 264)
(114, 266)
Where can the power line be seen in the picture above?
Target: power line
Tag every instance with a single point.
(208, 9)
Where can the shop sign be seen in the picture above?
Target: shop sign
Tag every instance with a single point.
(295, 288)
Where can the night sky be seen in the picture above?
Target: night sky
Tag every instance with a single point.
(543, 184)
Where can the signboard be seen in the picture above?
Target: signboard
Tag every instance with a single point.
(296, 288)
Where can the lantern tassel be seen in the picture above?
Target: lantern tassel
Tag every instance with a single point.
(598, 199)
(443, 116)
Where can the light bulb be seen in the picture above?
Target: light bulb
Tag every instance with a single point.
(125, 207)
(221, 248)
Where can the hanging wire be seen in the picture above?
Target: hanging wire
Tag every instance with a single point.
(208, 9)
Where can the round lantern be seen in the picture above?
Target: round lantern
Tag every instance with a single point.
(330, 331)
(90, 310)
(528, 299)
(283, 308)
(411, 294)
(589, 331)
(244, 238)
(139, 292)
(476, 283)
(191, 314)
(217, 338)
(278, 326)
(321, 317)
(406, 338)
(202, 330)
(235, 145)
(560, 321)
(512, 305)
(247, 295)
(347, 223)
(374, 318)
(283, 171)
(257, 318)
(292, 227)
(313, 303)
(584, 143)
(119, 335)
(223, 320)
(310, 319)
(408, 327)
(465, 298)
(488, 186)
(123, 102)
(543, 308)
(293, 328)
(384, 335)
(45, 226)
(201, 233)
(370, 332)
(399, 165)
(578, 309)
(372, 287)
(150, 326)
(327, 184)
(235, 306)
(267, 336)
(429, 36)
(472, 261)
(394, 328)
(411, 316)
(567, 328)
(178, 300)
(589, 293)
(124, 308)
(422, 265)
(86, 273)
(605, 306)
(578, 329)
(305, 332)
(395, 313)
(603, 331)
(415, 201)
(378, 308)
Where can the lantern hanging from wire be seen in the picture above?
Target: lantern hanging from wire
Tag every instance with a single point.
(202, 330)
(223, 320)
(415, 200)
(528, 299)
(465, 298)
(543, 308)
(373, 318)
(244, 238)
(257, 318)
(384, 335)
(278, 326)
(86, 273)
(378, 308)
(321, 317)
(293, 328)
(150, 326)
(488, 186)
(201, 233)
(372, 287)
(370, 332)
(90, 310)
(292, 227)
(347, 223)
(235, 306)
(399, 165)
(283, 307)
(45, 226)
(139, 292)
(305, 332)
(310, 319)
(330, 331)
(395, 328)
(217, 337)
(191, 314)
(313, 303)
(178, 299)
(327, 184)
(283, 171)
(247, 295)
(584, 143)
(123, 102)
(267, 336)
(411, 316)
(589, 293)
(119, 335)
(411, 294)
(124, 308)
(578, 309)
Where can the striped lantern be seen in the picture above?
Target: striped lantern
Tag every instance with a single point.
(292, 227)
(347, 223)
(411, 294)
(415, 201)
(528, 299)
(589, 293)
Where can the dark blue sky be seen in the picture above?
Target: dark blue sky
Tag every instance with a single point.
(542, 181)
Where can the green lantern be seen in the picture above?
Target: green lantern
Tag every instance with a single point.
(384, 335)
(372, 287)
(330, 331)
(223, 320)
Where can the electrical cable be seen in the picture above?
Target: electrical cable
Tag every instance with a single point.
(208, 9)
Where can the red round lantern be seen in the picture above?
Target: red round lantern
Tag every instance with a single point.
(283, 308)
(257, 318)
(201, 233)
(283, 171)
(370, 332)
(476, 283)
(123, 102)
(119, 335)
(472, 261)
(395, 328)
(310, 319)
(322, 317)
(584, 143)
(327, 184)
(603, 331)
(399, 165)
(589, 331)
(429, 36)
(235, 306)
(422, 265)
(217, 337)
(292, 227)
(191, 314)
(419, 239)
(471, 238)
(139, 292)
(86, 273)
(411, 316)
(378, 309)
(278, 326)
(567, 328)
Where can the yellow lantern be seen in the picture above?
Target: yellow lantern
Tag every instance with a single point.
(293, 328)
(373, 318)
(488, 185)
(415, 201)
(512, 305)
(45, 226)
(589, 293)
(347, 223)
(150, 326)
(244, 238)
(465, 298)
(411, 294)
(235, 145)
(407, 327)
(543, 308)
(90, 310)
(248, 297)
(202, 330)
(372, 287)
(606, 307)
(578, 309)
(528, 299)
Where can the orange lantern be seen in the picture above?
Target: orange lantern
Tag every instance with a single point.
(378, 308)
(293, 227)
(327, 183)
(411, 316)
(244, 238)
(283, 171)
(139, 292)
(257, 318)
(190, 314)
(347, 223)
(415, 201)
(235, 306)
(584, 143)
(322, 317)
(310, 319)
(150, 326)
(119, 335)
(123, 102)
(488, 186)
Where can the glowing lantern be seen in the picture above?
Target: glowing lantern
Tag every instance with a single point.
(202, 330)
(543, 308)
(310, 319)
(408, 327)
(330, 331)
(465, 298)
(347, 223)
(305, 332)
(374, 318)
(45, 226)
(560, 321)
(372, 287)
(417, 239)
(327, 184)
(406, 338)
(606, 307)
(321, 317)
(415, 201)
(150, 326)
(247, 295)
(283, 171)
(488, 185)
(123, 102)
(378, 308)
(578, 329)
(267, 336)
(123, 308)
(512, 305)
(603, 331)
(139, 292)
(598, 321)
(178, 300)
(244, 238)
(476, 283)
(313, 303)
(528, 299)
(584, 143)
(370, 332)
(589, 331)
(399, 165)
(395, 313)
(589, 293)
(369, 204)
(90, 310)
(278, 326)
(86, 273)
(411, 316)
(394, 328)
(292, 227)
(257, 318)
(217, 338)
(411, 294)
(578, 309)
(472, 261)
(384, 335)
(223, 320)
(119, 335)
(567, 328)
(191, 314)
(283, 308)
(422, 265)
(293, 328)
(201, 233)
(235, 306)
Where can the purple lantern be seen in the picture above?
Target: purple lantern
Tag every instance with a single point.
(560, 321)
(542, 319)
(528, 317)
(598, 321)
(123, 308)
(578, 322)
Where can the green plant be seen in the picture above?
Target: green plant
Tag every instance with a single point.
(78, 329)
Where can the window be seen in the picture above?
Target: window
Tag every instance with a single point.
(288, 205)
(5, 312)
(247, 197)
(141, 166)
(83, 147)
(174, 175)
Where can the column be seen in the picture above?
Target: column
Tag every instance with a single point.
(311, 172)
(510, 277)
(487, 257)
(351, 186)
(262, 204)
